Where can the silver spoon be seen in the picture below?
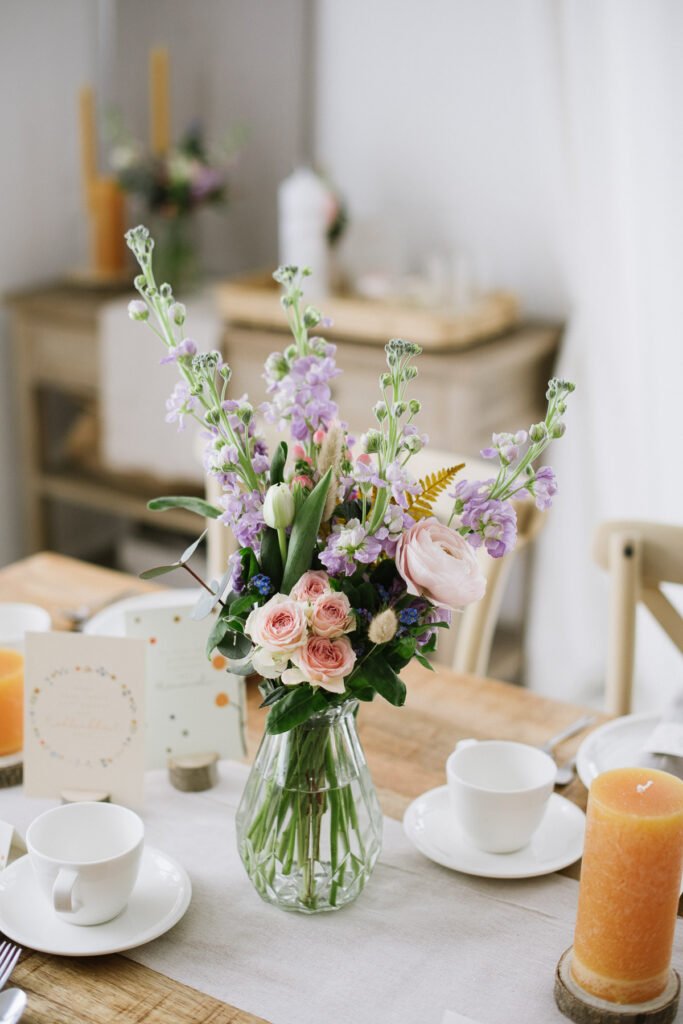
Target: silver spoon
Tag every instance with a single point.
(12, 1005)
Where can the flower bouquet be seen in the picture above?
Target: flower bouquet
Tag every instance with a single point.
(173, 186)
(342, 577)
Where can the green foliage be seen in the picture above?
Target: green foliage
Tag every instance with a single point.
(190, 504)
(304, 535)
(277, 466)
(295, 707)
(376, 672)
(271, 559)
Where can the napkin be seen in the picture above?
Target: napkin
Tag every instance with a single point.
(664, 746)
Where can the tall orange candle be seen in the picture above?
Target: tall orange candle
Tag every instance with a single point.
(86, 106)
(630, 884)
(160, 107)
(11, 701)
(107, 227)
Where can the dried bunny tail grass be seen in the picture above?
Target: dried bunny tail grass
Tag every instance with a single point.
(330, 457)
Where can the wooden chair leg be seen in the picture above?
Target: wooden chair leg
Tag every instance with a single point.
(624, 559)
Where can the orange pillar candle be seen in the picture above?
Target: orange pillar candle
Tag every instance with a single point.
(630, 884)
(108, 226)
(11, 701)
(86, 103)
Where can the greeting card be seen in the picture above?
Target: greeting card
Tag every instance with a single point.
(193, 704)
(84, 701)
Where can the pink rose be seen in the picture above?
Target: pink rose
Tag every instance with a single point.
(311, 585)
(323, 662)
(331, 615)
(437, 563)
(279, 626)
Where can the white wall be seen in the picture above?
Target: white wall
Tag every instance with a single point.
(434, 118)
(47, 51)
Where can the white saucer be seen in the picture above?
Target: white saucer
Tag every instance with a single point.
(615, 744)
(111, 621)
(557, 842)
(160, 898)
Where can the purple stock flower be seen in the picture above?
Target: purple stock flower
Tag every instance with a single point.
(506, 447)
(244, 515)
(302, 396)
(347, 545)
(186, 347)
(401, 483)
(544, 487)
(179, 404)
(493, 523)
(396, 522)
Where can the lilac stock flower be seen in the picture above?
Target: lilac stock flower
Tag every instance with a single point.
(301, 396)
(493, 523)
(506, 447)
(401, 483)
(366, 472)
(544, 487)
(186, 347)
(347, 545)
(244, 515)
(179, 404)
(396, 521)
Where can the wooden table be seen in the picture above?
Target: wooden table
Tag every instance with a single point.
(406, 750)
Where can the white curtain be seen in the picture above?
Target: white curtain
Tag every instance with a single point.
(616, 107)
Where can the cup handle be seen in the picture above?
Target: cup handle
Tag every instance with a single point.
(63, 891)
(461, 744)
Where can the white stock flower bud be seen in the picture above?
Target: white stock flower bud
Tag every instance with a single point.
(177, 312)
(137, 310)
(278, 508)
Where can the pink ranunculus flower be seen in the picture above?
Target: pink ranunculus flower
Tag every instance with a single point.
(331, 615)
(322, 662)
(279, 626)
(311, 585)
(436, 562)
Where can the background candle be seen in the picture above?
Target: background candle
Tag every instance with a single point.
(11, 701)
(630, 884)
(107, 227)
(160, 106)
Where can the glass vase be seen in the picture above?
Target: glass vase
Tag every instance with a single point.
(176, 251)
(309, 825)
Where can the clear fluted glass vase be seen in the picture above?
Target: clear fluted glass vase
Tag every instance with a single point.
(309, 825)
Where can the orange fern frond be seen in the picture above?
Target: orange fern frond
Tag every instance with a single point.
(420, 506)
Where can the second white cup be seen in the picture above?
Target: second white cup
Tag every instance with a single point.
(499, 791)
(86, 857)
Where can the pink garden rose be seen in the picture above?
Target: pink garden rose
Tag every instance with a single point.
(311, 585)
(331, 615)
(436, 562)
(323, 662)
(279, 625)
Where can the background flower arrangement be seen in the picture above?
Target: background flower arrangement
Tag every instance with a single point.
(343, 575)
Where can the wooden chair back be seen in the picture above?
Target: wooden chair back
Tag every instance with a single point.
(639, 557)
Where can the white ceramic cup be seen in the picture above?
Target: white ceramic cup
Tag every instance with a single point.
(86, 857)
(499, 791)
(18, 619)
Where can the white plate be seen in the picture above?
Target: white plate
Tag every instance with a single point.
(557, 842)
(111, 621)
(615, 744)
(160, 898)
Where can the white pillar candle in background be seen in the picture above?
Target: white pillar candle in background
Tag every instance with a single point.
(303, 205)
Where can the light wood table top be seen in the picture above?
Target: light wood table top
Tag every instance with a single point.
(406, 751)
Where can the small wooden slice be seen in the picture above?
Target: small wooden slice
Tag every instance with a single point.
(79, 796)
(11, 770)
(583, 1008)
(193, 773)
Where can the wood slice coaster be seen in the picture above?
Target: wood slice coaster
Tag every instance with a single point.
(193, 773)
(11, 770)
(583, 1008)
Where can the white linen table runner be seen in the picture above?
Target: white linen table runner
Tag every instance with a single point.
(420, 940)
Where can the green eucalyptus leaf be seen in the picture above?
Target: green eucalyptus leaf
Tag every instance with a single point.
(234, 646)
(188, 552)
(190, 504)
(159, 570)
(304, 533)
